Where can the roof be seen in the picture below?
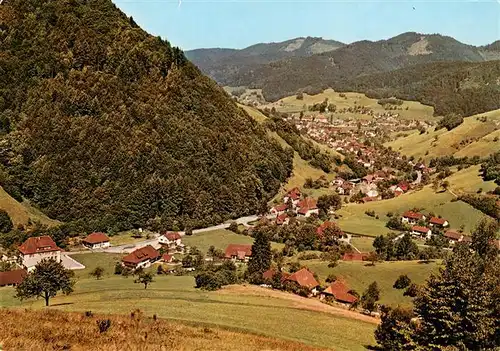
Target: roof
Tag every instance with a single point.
(450, 234)
(140, 255)
(404, 186)
(308, 204)
(96, 238)
(413, 215)
(439, 221)
(294, 194)
(12, 277)
(281, 218)
(239, 250)
(172, 236)
(304, 278)
(467, 239)
(167, 257)
(281, 207)
(420, 229)
(340, 292)
(38, 244)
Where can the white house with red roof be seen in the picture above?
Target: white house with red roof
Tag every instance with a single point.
(35, 249)
(307, 207)
(438, 222)
(453, 236)
(238, 252)
(293, 195)
(304, 278)
(279, 209)
(422, 232)
(340, 292)
(172, 241)
(412, 217)
(141, 258)
(282, 219)
(96, 240)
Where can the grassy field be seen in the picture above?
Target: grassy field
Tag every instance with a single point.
(97, 259)
(176, 298)
(358, 276)
(292, 104)
(471, 138)
(457, 213)
(22, 213)
(124, 238)
(469, 180)
(63, 330)
(362, 243)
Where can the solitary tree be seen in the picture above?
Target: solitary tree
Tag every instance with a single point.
(261, 258)
(97, 272)
(402, 282)
(144, 278)
(370, 297)
(45, 281)
(483, 237)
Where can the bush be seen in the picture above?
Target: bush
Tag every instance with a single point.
(234, 227)
(308, 256)
(370, 213)
(331, 278)
(402, 282)
(412, 290)
(450, 122)
(5, 222)
(103, 325)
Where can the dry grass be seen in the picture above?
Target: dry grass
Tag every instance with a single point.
(22, 213)
(58, 330)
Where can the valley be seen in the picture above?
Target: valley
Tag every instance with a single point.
(303, 194)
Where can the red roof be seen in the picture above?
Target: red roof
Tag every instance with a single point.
(143, 254)
(355, 256)
(172, 236)
(340, 292)
(238, 250)
(304, 278)
(438, 221)
(96, 238)
(404, 186)
(281, 218)
(308, 203)
(294, 194)
(413, 215)
(167, 257)
(450, 234)
(419, 229)
(269, 274)
(12, 277)
(38, 244)
(281, 208)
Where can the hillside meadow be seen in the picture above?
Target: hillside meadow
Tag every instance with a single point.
(291, 104)
(175, 298)
(473, 137)
(75, 331)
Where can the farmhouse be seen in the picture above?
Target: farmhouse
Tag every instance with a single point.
(238, 252)
(339, 291)
(293, 195)
(282, 219)
(172, 241)
(453, 236)
(96, 241)
(141, 258)
(167, 258)
(412, 217)
(12, 278)
(307, 207)
(305, 279)
(423, 232)
(438, 222)
(279, 209)
(35, 249)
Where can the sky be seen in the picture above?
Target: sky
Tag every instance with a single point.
(193, 24)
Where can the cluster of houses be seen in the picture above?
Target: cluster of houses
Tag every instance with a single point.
(295, 203)
(422, 227)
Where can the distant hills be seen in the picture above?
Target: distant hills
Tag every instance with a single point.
(341, 68)
(107, 127)
(224, 64)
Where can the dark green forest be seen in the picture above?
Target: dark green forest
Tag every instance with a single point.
(105, 125)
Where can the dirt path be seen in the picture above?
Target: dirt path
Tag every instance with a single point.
(299, 302)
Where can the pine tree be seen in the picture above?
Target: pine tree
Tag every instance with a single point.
(395, 331)
(483, 237)
(370, 297)
(261, 258)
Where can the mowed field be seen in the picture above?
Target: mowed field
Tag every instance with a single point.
(353, 218)
(22, 213)
(291, 104)
(472, 138)
(175, 298)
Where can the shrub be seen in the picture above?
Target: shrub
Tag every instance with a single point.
(234, 227)
(331, 278)
(103, 325)
(370, 213)
(411, 291)
(308, 256)
(402, 282)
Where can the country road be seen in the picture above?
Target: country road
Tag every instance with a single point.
(126, 248)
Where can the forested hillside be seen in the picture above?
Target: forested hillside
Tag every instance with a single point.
(110, 127)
